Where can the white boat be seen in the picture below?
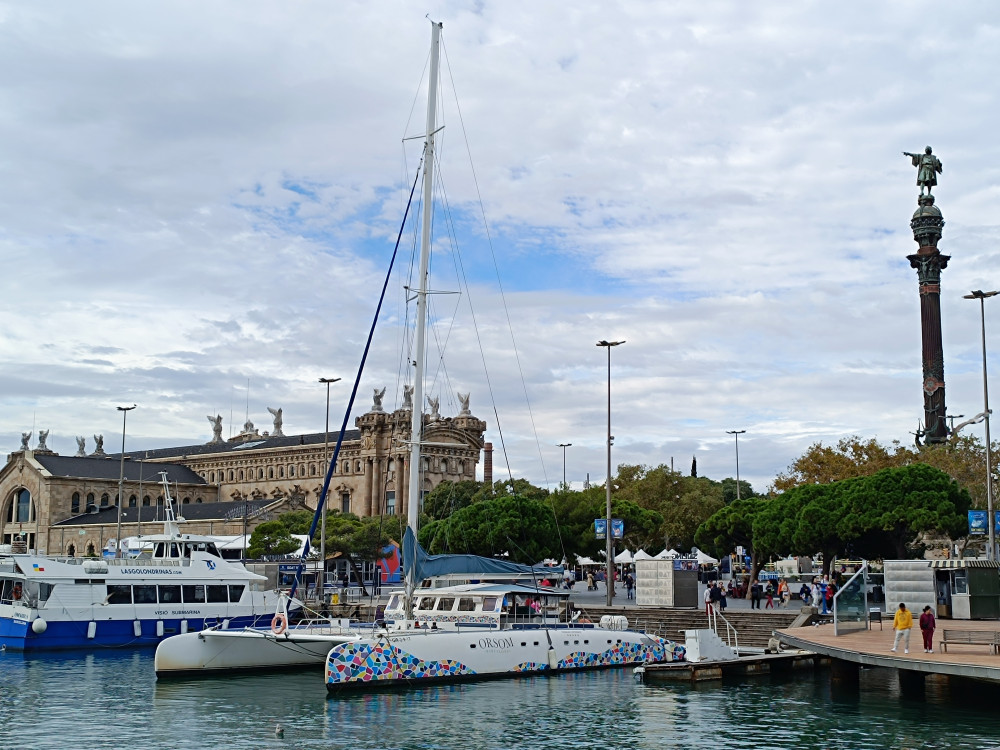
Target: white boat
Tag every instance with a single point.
(481, 631)
(49, 603)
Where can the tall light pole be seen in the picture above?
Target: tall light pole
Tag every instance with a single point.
(736, 434)
(321, 586)
(564, 446)
(991, 522)
(609, 544)
(121, 480)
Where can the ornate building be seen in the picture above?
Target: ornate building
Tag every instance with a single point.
(68, 505)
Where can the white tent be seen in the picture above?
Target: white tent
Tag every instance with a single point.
(667, 554)
(642, 555)
(704, 559)
(623, 557)
(581, 560)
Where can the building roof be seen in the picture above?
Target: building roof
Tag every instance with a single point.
(87, 467)
(261, 443)
(214, 511)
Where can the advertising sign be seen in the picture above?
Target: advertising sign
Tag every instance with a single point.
(977, 522)
(600, 527)
(617, 528)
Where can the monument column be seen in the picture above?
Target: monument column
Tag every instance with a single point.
(402, 483)
(927, 225)
(366, 490)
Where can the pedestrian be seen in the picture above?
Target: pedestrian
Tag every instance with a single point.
(755, 595)
(901, 623)
(927, 626)
(783, 595)
(722, 598)
(591, 585)
(708, 599)
(770, 596)
(805, 594)
(629, 586)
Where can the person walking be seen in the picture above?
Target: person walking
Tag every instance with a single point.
(770, 596)
(708, 599)
(927, 626)
(755, 595)
(901, 623)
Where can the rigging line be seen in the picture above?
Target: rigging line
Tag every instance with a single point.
(510, 327)
(350, 404)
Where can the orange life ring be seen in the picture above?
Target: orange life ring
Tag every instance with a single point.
(279, 623)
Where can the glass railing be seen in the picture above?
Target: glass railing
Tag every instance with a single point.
(850, 604)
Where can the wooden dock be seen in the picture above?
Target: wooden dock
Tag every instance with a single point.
(746, 666)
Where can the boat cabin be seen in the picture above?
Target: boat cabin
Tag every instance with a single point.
(481, 605)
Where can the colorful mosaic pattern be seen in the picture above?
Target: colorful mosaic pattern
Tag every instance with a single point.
(382, 661)
(366, 662)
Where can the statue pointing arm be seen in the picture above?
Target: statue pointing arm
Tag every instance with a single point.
(928, 168)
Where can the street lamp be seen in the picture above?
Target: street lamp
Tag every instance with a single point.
(609, 544)
(991, 552)
(564, 446)
(326, 458)
(121, 480)
(736, 434)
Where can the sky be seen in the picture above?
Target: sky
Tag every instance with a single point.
(199, 202)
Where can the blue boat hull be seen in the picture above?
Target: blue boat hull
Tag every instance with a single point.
(17, 635)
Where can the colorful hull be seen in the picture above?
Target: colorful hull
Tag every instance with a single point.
(422, 656)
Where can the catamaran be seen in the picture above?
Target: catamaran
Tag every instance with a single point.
(481, 630)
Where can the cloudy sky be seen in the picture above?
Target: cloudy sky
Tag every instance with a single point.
(196, 195)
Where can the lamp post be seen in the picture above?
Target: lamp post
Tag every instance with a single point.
(121, 480)
(321, 586)
(564, 446)
(609, 544)
(991, 522)
(736, 434)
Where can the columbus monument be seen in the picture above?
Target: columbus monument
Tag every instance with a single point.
(927, 224)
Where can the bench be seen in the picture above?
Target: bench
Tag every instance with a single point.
(989, 638)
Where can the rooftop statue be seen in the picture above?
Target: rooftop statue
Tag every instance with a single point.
(25, 437)
(463, 399)
(99, 450)
(216, 429)
(377, 399)
(276, 413)
(43, 435)
(407, 396)
(435, 404)
(81, 446)
(928, 168)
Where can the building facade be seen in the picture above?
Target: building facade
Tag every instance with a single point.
(68, 505)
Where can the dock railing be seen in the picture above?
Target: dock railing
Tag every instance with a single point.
(732, 637)
(850, 604)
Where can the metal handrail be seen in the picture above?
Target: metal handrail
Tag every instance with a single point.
(862, 571)
(732, 635)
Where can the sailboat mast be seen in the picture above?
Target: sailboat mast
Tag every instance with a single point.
(416, 426)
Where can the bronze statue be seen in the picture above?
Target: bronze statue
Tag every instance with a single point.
(928, 168)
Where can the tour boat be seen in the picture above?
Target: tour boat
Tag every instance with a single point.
(49, 603)
(479, 630)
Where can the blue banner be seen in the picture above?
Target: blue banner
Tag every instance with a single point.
(977, 522)
(617, 528)
(600, 528)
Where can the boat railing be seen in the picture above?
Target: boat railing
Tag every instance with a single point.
(732, 636)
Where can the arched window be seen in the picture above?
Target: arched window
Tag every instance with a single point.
(357, 466)
(145, 500)
(91, 503)
(240, 475)
(291, 470)
(74, 506)
(347, 467)
(270, 472)
(444, 465)
(71, 550)
(90, 549)
(105, 500)
(197, 500)
(159, 500)
(390, 467)
(21, 509)
(186, 501)
(461, 467)
(211, 476)
(231, 475)
(427, 464)
(260, 473)
(302, 470)
(312, 470)
(281, 472)
(131, 501)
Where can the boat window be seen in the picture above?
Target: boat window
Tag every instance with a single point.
(194, 594)
(445, 603)
(425, 602)
(466, 604)
(490, 604)
(961, 582)
(174, 550)
(158, 551)
(119, 594)
(217, 594)
(170, 594)
(211, 549)
(236, 592)
(144, 594)
(393, 602)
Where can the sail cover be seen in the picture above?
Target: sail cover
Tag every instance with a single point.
(418, 565)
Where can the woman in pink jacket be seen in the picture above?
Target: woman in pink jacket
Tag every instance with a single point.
(927, 625)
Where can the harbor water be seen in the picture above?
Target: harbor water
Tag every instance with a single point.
(112, 699)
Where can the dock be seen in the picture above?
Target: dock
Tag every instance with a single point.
(749, 665)
(870, 648)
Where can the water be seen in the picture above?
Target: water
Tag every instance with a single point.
(113, 700)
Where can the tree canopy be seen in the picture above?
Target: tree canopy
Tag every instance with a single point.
(271, 538)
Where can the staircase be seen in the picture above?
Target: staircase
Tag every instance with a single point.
(754, 626)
